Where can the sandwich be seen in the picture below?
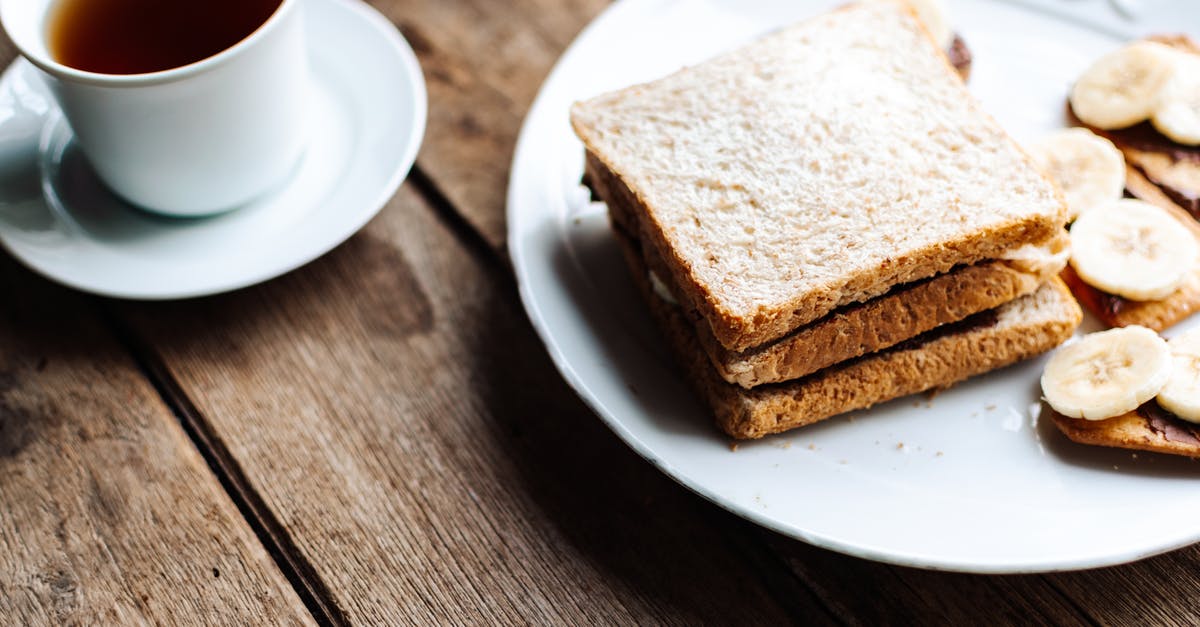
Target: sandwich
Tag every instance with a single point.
(1136, 263)
(1139, 107)
(1128, 388)
(825, 219)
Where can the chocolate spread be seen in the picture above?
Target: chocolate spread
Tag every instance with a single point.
(960, 56)
(1106, 306)
(1168, 425)
(1144, 137)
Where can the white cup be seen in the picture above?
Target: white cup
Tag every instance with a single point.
(194, 140)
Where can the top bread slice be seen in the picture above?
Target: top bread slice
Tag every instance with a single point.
(816, 167)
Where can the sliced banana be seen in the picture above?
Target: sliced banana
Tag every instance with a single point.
(1181, 395)
(1089, 169)
(1107, 374)
(1132, 249)
(932, 14)
(1178, 112)
(1122, 87)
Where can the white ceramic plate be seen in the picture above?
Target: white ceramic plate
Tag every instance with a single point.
(971, 480)
(368, 117)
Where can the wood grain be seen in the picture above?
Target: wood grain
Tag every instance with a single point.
(109, 514)
(908, 596)
(484, 62)
(393, 408)
(1157, 591)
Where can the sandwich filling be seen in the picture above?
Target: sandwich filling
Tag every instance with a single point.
(1168, 425)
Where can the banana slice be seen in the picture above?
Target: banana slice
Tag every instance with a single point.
(1107, 374)
(1089, 169)
(1122, 87)
(1178, 113)
(1132, 249)
(933, 14)
(1181, 396)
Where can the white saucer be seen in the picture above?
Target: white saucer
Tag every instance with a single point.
(368, 118)
(972, 480)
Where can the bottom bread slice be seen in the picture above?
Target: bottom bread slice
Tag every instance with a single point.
(1018, 330)
(1146, 429)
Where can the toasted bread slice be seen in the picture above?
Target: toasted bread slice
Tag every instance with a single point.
(1023, 328)
(819, 166)
(1116, 311)
(1139, 430)
(862, 328)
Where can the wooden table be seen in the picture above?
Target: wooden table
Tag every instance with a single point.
(380, 437)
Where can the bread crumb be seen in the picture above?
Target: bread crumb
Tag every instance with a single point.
(812, 447)
(1134, 455)
(899, 446)
(850, 418)
(733, 447)
(939, 454)
(990, 406)
(1116, 467)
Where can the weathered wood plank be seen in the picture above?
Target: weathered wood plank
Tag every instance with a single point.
(864, 593)
(1157, 591)
(109, 515)
(484, 62)
(392, 406)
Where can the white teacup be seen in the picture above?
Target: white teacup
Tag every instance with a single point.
(194, 140)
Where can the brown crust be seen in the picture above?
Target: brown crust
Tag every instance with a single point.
(1156, 314)
(875, 325)
(736, 331)
(960, 57)
(861, 383)
(1127, 431)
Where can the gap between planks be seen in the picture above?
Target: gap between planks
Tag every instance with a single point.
(278, 544)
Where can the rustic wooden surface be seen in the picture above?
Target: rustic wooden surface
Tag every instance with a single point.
(380, 437)
(109, 514)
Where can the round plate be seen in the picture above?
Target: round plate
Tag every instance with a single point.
(367, 119)
(973, 479)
